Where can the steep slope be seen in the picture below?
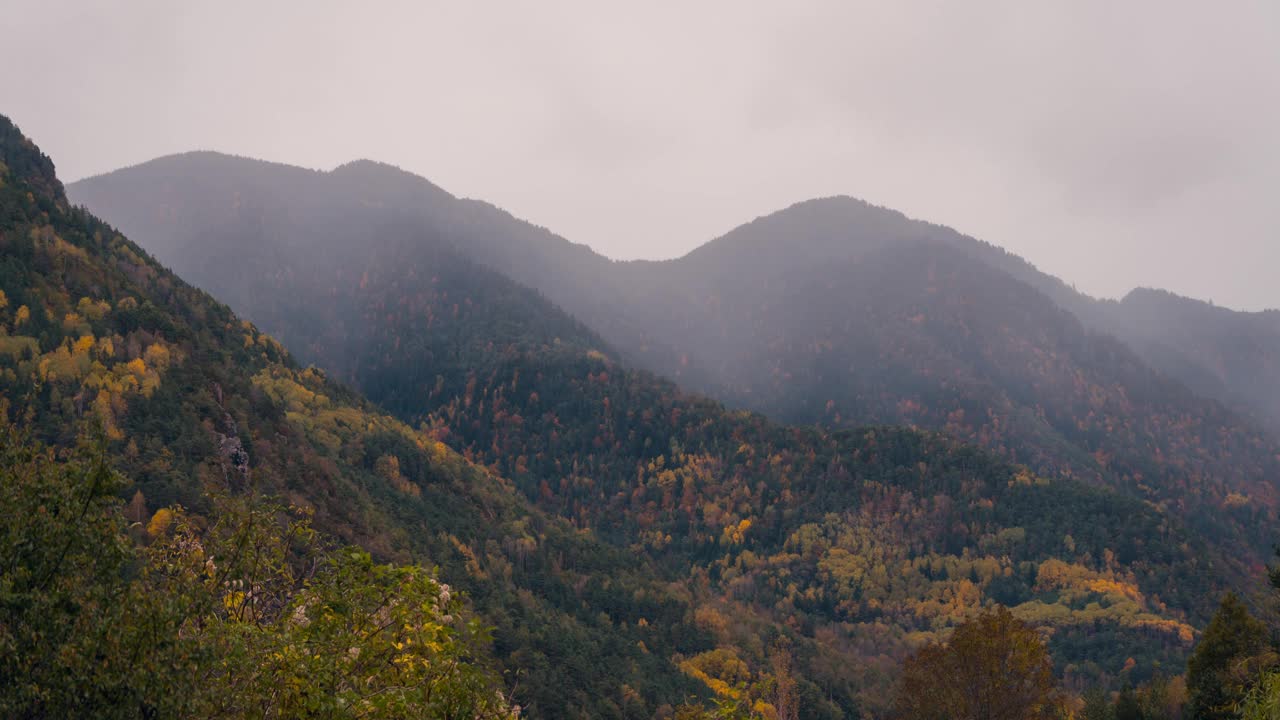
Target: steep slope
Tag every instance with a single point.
(247, 244)
(243, 229)
(192, 399)
(831, 311)
(844, 546)
(1221, 354)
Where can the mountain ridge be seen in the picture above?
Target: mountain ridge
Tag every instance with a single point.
(728, 502)
(371, 164)
(734, 318)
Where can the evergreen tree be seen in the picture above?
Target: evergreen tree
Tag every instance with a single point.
(1228, 657)
(1127, 706)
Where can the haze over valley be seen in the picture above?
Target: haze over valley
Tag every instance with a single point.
(279, 442)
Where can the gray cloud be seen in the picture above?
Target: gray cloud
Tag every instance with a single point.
(1114, 144)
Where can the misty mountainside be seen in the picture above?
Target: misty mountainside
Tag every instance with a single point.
(832, 311)
(97, 338)
(840, 549)
(914, 331)
(298, 228)
(635, 549)
(1221, 353)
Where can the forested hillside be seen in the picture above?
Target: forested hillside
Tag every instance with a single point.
(832, 311)
(840, 550)
(192, 400)
(922, 334)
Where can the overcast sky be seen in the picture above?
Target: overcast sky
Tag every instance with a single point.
(1112, 143)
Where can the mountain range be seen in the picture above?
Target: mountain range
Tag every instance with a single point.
(661, 483)
(833, 312)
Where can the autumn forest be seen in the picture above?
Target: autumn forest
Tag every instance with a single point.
(287, 443)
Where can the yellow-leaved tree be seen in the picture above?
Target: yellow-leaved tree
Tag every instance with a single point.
(246, 612)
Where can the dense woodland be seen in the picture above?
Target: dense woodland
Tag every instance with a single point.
(551, 533)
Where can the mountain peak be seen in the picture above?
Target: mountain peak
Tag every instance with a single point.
(814, 231)
(368, 165)
(387, 177)
(1143, 292)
